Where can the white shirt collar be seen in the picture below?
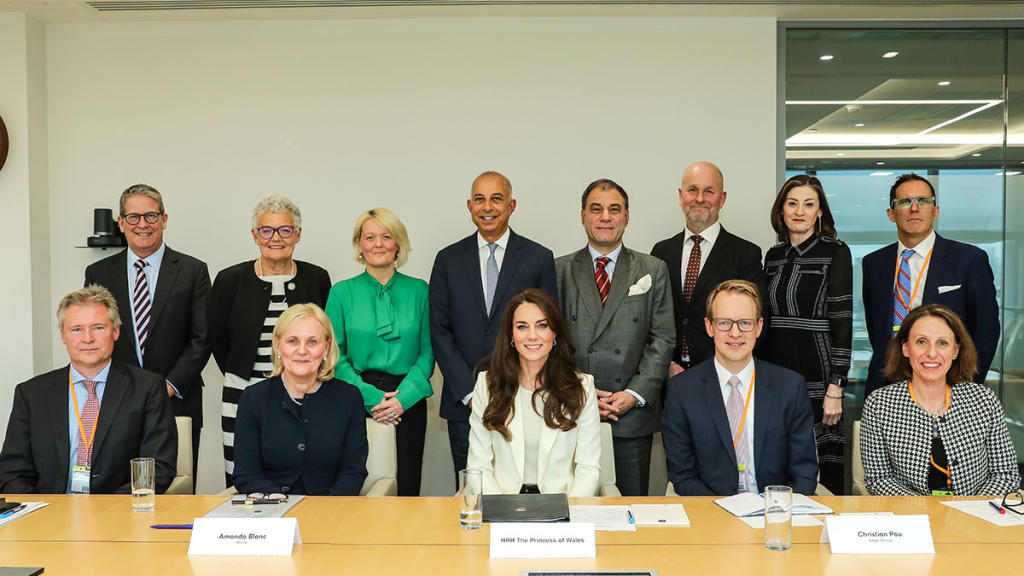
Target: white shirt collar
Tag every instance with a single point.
(744, 375)
(613, 255)
(708, 236)
(501, 242)
(922, 249)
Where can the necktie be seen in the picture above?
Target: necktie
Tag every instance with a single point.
(734, 409)
(89, 413)
(690, 280)
(141, 304)
(901, 296)
(601, 277)
(492, 276)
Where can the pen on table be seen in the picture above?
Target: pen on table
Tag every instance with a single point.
(997, 507)
(631, 519)
(172, 526)
(13, 512)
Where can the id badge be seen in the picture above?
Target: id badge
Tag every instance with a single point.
(80, 479)
(895, 328)
(942, 492)
(742, 478)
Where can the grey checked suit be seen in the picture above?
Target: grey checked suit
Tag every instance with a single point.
(628, 342)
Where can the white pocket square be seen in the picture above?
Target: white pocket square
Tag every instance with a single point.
(944, 289)
(641, 287)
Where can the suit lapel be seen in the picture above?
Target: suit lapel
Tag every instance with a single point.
(586, 287)
(716, 408)
(675, 263)
(509, 262)
(936, 264)
(621, 281)
(114, 392)
(119, 289)
(547, 442)
(471, 264)
(518, 442)
(57, 397)
(719, 253)
(764, 408)
(164, 284)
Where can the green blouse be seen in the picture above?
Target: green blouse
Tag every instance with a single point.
(384, 328)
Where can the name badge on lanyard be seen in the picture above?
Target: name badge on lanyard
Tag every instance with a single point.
(80, 479)
(80, 475)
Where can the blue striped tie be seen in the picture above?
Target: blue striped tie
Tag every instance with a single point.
(141, 304)
(901, 297)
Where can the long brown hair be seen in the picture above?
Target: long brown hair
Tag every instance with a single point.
(962, 369)
(557, 381)
(827, 223)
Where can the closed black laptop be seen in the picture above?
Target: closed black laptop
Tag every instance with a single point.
(525, 508)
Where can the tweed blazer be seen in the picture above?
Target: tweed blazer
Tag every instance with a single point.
(895, 442)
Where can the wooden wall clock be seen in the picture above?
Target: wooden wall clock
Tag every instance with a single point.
(4, 143)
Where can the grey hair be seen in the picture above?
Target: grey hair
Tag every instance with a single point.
(273, 204)
(142, 190)
(91, 294)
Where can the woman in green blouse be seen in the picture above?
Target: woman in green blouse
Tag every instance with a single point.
(383, 329)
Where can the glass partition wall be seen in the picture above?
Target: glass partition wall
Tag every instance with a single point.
(863, 106)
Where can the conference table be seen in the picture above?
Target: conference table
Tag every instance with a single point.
(99, 534)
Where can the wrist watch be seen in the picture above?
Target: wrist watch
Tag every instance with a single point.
(4, 143)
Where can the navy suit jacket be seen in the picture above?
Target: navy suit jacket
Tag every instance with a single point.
(321, 450)
(698, 442)
(462, 333)
(968, 288)
(135, 421)
(176, 348)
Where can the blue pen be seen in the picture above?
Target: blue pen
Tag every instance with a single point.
(997, 507)
(10, 513)
(631, 519)
(172, 526)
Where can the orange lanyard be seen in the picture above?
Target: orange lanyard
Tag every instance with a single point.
(736, 440)
(949, 478)
(917, 284)
(81, 428)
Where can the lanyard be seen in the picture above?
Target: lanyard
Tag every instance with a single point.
(81, 428)
(949, 478)
(917, 284)
(910, 384)
(736, 440)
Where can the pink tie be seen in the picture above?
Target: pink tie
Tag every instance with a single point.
(89, 413)
(734, 409)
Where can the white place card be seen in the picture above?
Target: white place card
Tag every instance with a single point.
(243, 536)
(875, 534)
(536, 540)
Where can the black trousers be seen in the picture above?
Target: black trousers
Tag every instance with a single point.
(458, 438)
(410, 434)
(633, 464)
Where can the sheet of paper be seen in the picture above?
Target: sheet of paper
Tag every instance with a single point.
(605, 518)
(29, 508)
(229, 510)
(798, 521)
(982, 509)
(750, 504)
(660, 515)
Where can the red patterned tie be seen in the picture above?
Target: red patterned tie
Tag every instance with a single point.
(692, 271)
(601, 277)
(89, 413)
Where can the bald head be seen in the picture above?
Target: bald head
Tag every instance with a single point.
(702, 195)
(491, 204)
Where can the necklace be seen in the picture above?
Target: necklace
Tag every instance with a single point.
(297, 401)
(934, 414)
(259, 263)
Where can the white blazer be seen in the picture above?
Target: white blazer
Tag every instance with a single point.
(567, 462)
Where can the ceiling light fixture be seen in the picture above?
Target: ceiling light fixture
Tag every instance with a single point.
(976, 154)
(1010, 173)
(859, 124)
(840, 154)
(945, 83)
(881, 174)
(879, 163)
(890, 54)
(826, 57)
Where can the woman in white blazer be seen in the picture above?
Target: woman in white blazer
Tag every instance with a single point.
(553, 445)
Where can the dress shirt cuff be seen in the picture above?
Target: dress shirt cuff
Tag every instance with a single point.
(640, 402)
(177, 394)
(466, 399)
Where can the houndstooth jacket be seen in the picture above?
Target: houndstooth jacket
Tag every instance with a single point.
(895, 442)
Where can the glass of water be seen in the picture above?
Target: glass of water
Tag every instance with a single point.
(778, 517)
(471, 484)
(143, 484)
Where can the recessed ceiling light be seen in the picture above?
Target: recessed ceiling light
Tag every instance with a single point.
(890, 54)
(976, 154)
(1010, 173)
(825, 57)
(840, 154)
(879, 163)
(944, 83)
(881, 174)
(859, 124)
(812, 129)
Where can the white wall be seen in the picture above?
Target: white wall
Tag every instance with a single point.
(403, 113)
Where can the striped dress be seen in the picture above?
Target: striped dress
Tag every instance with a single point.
(810, 303)
(234, 385)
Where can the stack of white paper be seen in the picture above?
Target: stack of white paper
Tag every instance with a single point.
(750, 504)
(29, 507)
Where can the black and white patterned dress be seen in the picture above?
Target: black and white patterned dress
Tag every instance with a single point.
(810, 331)
(896, 442)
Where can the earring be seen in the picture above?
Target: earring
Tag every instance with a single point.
(512, 343)
(554, 342)
(819, 224)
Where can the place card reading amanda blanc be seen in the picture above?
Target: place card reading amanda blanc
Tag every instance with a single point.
(243, 536)
(875, 534)
(534, 540)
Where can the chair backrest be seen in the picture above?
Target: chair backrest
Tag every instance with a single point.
(382, 460)
(860, 487)
(182, 483)
(607, 476)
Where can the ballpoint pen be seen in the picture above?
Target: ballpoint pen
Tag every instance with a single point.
(631, 519)
(10, 513)
(997, 507)
(172, 526)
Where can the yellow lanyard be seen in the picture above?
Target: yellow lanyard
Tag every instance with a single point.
(81, 428)
(917, 284)
(736, 440)
(949, 478)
